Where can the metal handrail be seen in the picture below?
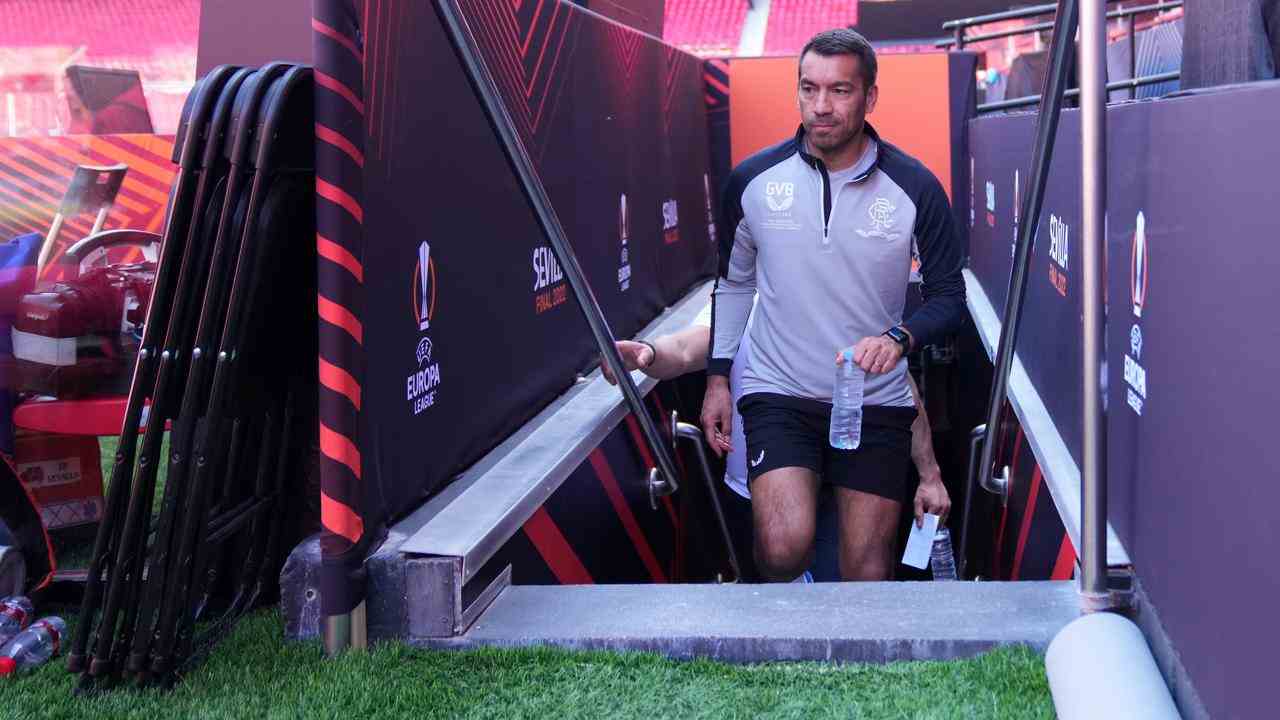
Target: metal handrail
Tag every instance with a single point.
(694, 434)
(1074, 92)
(1055, 81)
(959, 39)
(663, 479)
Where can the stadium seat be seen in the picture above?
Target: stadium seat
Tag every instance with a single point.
(707, 28)
(793, 22)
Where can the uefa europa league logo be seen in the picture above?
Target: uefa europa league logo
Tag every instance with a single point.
(1138, 266)
(424, 283)
(623, 224)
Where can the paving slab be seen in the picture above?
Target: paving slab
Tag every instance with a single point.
(845, 622)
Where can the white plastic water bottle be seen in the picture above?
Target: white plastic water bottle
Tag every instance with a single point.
(846, 404)
(942, 560)
(15, 613)
(33, 646)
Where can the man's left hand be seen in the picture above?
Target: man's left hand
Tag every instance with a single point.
(932, 497)
(877, 355)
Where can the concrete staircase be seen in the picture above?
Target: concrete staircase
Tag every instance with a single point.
(844, 622)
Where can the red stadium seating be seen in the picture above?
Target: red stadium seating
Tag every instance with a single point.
(707, 28)
(793, 22)
(155, 37)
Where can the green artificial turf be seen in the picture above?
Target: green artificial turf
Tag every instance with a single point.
(256, 674)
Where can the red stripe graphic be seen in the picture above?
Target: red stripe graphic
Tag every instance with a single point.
(555, 550)
(1065, 566)
(1027, 516)
(1004, 514)
(340, 519)
(600, 464)
(338, 448)
(714, 82)
(334, 138)
(337, 37)
(340, 381)
(332, 84)
(333, 252)
(337, 195)
(999, 546)
(335, 314)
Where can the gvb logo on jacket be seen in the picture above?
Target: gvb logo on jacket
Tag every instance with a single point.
(780, 196)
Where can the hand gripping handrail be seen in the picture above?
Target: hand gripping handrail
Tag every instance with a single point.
(663, 479)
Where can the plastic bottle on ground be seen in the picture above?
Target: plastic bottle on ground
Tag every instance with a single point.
(33, 646)
(15, 612)
(942, 561)
(846, 404)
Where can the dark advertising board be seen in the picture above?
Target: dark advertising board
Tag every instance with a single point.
(470, 326)
(1191, 375)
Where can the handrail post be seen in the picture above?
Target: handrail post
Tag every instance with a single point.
(1133, 54)
(1093, 125)
(960, 37)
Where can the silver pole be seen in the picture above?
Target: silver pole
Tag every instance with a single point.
(337, 634)
(1093, 116)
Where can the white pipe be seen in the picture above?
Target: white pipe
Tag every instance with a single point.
(1099, 666)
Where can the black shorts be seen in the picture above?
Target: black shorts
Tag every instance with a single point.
(784, 431)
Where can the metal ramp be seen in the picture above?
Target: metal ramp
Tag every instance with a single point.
(840, 622)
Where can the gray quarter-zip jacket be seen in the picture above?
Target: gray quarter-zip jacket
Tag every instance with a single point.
(831, 266)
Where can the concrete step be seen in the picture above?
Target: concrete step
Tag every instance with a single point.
(846, 622)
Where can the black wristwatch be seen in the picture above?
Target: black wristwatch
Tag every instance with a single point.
(654, 349)
(900, 336)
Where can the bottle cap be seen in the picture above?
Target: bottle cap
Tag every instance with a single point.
(7, 666)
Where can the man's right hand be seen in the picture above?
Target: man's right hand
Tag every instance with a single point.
(717, 414)
(634, 357)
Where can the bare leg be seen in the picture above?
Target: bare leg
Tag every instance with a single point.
(868, 526)
(783, 505)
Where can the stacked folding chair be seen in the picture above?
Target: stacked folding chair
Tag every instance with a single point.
(226, 366)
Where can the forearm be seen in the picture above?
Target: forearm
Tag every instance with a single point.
(922, 439)
(679, 353)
